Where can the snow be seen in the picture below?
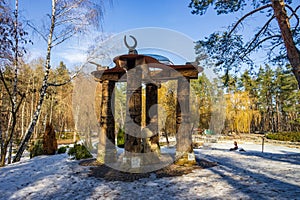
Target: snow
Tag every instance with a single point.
(274, 174)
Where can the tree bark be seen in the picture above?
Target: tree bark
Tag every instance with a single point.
(43, 90)
(287, 36)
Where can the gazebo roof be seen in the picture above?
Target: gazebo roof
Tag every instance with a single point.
(162, 72)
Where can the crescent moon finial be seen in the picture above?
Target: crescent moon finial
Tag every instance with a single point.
(127, 45)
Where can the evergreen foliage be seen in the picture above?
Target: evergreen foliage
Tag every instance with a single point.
(276, 36)
(79, 152)
(265, 102)
(285, 136)
(62, 149)
(121, 138)
(36, 149)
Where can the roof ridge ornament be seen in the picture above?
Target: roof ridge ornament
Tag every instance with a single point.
(131, 49)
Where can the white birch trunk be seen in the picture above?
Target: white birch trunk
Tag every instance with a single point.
(43, 90)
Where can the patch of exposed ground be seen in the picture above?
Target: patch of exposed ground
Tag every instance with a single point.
(102, 171)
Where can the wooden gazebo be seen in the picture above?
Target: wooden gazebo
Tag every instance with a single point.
(140, 141)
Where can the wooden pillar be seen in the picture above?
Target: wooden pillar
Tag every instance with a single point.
(133, 109)
(106, 146)
(151, 142)
(184, 147)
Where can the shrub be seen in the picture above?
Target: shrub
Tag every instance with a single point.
(62, 149)
(284, 136)
(79, 152)
(121, 138)
(36, 148)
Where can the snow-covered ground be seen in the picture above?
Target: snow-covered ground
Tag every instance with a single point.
(274, 174)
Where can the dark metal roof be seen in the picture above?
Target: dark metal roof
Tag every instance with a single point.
(160, 58)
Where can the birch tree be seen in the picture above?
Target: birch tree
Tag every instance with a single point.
(67, 18)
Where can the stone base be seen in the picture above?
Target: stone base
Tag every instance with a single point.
(141, 162)
(185, 159)
(107, 156)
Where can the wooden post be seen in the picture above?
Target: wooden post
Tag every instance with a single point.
(106, 147)
(133, 109)
(152, 119)
(263, 143)
(184, 147)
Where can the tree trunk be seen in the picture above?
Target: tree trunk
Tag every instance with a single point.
(287, 36)
(14, 94)
(51, 109)
(22, 119)
(43, 90)
(10, 151)
(3, 156)
(1, 141)
(30, 129)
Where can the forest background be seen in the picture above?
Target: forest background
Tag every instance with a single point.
(266, 101)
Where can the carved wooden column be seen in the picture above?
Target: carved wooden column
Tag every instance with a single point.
(184, 147)
(151, 142)
(134, 108)
(106, 146)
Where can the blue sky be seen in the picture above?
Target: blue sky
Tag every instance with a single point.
(122, 16)
(168, 14)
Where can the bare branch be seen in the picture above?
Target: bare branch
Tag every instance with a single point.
(63, 12)
(36, 30)
(247, 15)
(258, 34)
(60, 39)
(294, 14)
(63, 22)
(274, 46)
(20, 102)
(6, 86)
(259, 43)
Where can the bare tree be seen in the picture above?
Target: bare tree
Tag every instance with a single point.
(68, 18)
(86, 122)
(13, 34)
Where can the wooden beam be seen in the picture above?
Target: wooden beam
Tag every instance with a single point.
(168, 72)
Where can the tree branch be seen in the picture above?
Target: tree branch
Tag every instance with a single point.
(63, 37)
(247, 15)
(68, 9)
(260, 42)
(20, 102)
(6, 86)
(257, 35)
(36, 30)
(294, 14)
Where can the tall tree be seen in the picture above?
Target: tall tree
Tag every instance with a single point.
(65, 22)
(203, 101)
(287, 101)
(266, 87)
(11, 35)
(229, 48)
(167, 98)
(249, 84)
